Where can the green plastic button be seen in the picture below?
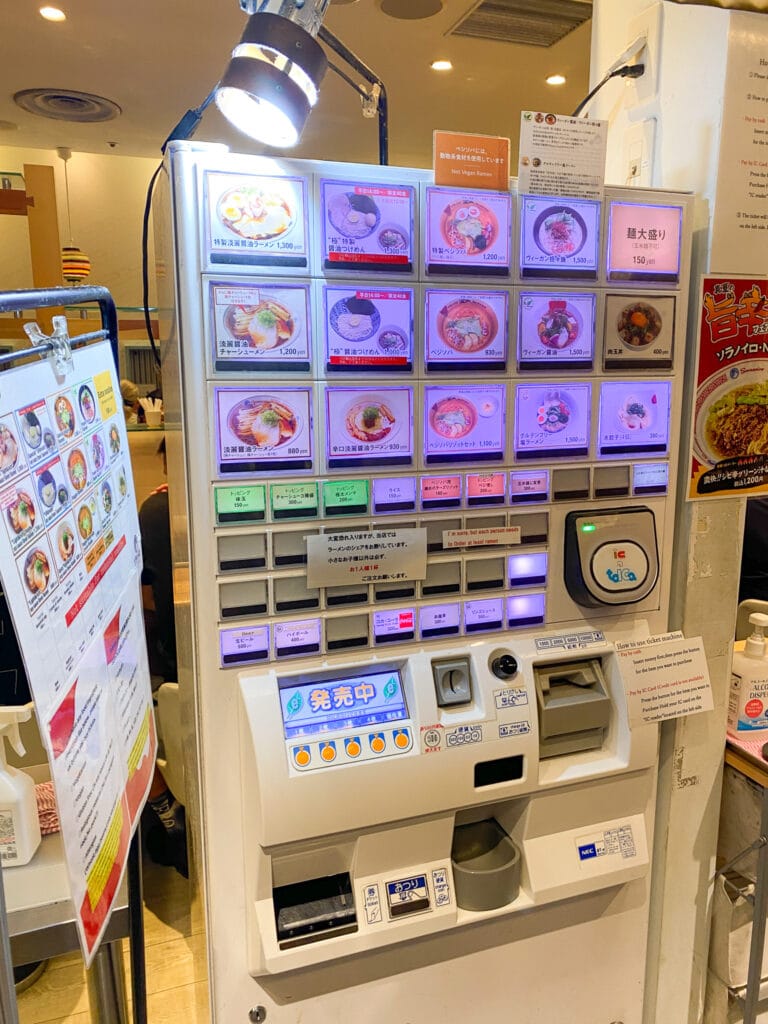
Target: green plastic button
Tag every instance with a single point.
(294, 501)
(244, 504)
(345, 497)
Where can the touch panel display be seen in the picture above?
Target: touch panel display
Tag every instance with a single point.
(348, 702)
(466, 330)
(373, 426)
(644, 242)
(263, 429)
(552, 420)
(559, 237)
(634, 417)
(464, 423)
(468, 232)
(260, 326)
(368, 328)
(556, 329)
(367, 226)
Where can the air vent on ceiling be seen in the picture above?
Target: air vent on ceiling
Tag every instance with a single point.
(67, 105)
(531, 22)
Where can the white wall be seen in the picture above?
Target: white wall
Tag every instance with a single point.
(107, 201)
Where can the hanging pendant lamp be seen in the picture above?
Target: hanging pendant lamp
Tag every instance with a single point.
(75, 265)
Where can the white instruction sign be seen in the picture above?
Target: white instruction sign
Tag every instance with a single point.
(487, 536)
(561, 156)
(362, 556)
(664, 677)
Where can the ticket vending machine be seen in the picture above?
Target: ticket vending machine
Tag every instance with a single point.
(422, 454)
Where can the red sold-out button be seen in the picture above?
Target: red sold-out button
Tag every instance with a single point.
(754, 708)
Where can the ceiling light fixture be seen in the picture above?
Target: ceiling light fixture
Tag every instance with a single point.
(556, 80)
(52, 14)
(441, 65)
(75, 265)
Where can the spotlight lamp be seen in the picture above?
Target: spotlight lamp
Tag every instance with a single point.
(273, 79)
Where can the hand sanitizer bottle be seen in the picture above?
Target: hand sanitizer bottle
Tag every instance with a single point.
(19, 822)
(748, 697)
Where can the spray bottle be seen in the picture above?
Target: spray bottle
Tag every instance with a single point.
(19, 823)
(748, 697)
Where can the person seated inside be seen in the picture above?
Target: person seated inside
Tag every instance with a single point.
(167, 838)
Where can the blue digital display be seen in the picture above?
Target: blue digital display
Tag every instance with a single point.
(349, 702)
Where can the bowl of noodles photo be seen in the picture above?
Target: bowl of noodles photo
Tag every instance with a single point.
(370, 420)
(267, 325)
(469, 227)
(256, 213)
(467, 325)
(732, 415)
(560, 231)
(354, 319)
(453, 417)
(263, 422)
(353, 214)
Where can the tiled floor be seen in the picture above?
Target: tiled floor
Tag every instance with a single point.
(175, 955)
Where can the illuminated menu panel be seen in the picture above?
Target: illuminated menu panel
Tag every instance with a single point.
(639, 331)
(644, 242)
(465, 423)
(440, 620)
(559, 237)
(347, 702)
(367, 226)
(257, 220)
(394, 494)
(466, 330)
(634, 417)
(552, 420)
(368, 328)
(440, 491)
(555, 329)
(241, 646)
(294, 638)
(486, 489)
(650, 478)
(527, 570)
(483, 615)
(369, 425)
(525, 610)
(263, 429)
(468, 232)
(525, 488)
(260, 327)
(394, 625)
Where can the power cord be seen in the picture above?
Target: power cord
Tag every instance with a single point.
(626, 71)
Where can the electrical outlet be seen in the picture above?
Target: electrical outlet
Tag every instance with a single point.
(643, 90)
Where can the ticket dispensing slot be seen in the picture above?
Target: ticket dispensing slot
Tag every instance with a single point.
(574, 706)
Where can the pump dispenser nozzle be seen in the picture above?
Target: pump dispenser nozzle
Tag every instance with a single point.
(755, 644)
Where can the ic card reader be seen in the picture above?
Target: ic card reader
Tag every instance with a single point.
(574, 706)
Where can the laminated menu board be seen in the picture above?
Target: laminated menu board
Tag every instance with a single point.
(552, 420)
(371, 426)
(559, 237)
(368, 328)
(644, 242)
(634, 417)
(260, 326)
(556, 329)
(263, 430)
(464, 423)
(367, 226)
(465, 330)
(256, 220)
(468, 232)
(639, 331)
(70, 563)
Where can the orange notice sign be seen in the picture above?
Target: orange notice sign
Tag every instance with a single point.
(471, 161)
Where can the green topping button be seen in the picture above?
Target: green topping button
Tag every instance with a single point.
(293, 501)
(245, 503)
(348, 497)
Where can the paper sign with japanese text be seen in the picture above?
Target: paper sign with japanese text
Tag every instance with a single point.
(729, 432)
(338, 559)
(471, 161)
(561, 156)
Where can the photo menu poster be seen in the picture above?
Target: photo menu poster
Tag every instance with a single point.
(257, 220)
(729, 432)
(70, 561)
